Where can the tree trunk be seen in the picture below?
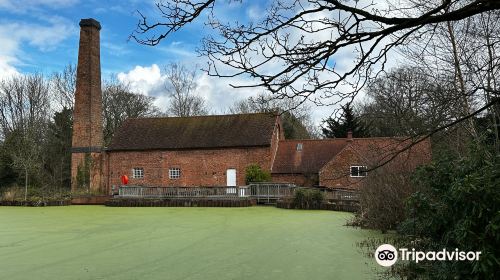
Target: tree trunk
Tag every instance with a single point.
(26, 184)
(461, 84)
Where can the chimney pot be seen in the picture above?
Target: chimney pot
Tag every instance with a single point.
(90, 22)
(349, 135)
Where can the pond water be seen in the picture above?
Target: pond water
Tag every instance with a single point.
(97, 242)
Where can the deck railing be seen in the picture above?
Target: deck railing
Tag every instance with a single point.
(262, 192)
(270, 192)
(183, 192)
(340, 195)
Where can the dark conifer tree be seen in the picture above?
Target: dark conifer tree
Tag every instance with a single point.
(348, 121)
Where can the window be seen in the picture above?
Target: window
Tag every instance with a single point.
(358, 171)
(174, 173)
(138, 173)
(299, 147)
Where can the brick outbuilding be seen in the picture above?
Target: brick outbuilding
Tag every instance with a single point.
(192, 151)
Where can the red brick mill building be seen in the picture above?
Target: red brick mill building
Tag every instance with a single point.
(212, 150)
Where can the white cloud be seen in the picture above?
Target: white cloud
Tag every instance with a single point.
(144, 80)
(45, 38)
(217, 92)
(6, 70)
(219, 95)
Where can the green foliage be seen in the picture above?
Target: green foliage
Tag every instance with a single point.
(8, 176)
(308, 198)
(457, 206)
(57, 151)
(255, 174)
(83, 173)
(348, 121)
(40, 194)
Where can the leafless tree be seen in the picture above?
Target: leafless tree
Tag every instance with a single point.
(64, 86)
(409, 101)
(296, 116)
(120, 103)
(303, 40)
(24, 103)
(468, 51)
(180, 85)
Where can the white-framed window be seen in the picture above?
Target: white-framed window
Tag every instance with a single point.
(299, 146)
(138, 173)
(174, 173)
(358, 171)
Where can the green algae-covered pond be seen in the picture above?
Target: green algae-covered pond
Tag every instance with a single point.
(97, 242)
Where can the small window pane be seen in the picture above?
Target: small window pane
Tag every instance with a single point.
(359, 171)
(174, 173)
(138, 173)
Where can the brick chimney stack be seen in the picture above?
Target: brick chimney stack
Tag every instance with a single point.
(349, 135)
(87, 139)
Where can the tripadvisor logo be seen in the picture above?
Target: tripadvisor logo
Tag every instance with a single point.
(387, 255)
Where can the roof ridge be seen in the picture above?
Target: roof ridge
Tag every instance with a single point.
(202, 116)
(317, 140)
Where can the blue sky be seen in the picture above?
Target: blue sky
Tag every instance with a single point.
(42, 36)
(51, 52)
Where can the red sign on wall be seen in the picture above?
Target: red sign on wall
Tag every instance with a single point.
(124, 179)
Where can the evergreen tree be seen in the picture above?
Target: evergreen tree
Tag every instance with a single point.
(58, 149)
(348, 121)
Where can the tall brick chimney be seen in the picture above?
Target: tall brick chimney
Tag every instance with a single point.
(87, 139)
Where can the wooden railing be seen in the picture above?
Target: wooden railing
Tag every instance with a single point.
(340, 195)
(270, 192)
(262, 192)
(183, 192)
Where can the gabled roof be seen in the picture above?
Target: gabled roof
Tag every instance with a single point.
(218, 131)
(400, 152)
(394, 150)
(313, 156)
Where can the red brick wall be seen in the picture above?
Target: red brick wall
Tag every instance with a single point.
(336, 173)
(198, 167)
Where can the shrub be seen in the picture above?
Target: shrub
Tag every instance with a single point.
(255, 174)
(458, 206)
(35, 194)
(382, 200)
(308, 198)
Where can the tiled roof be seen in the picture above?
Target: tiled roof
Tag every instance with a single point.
(219, 131)
(310, 159)
(316, 153)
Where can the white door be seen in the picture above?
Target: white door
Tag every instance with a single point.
(231, 177)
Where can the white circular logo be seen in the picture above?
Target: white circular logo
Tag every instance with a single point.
(386, 255)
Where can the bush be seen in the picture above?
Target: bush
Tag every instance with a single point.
(382, 200)
(255, 174)
(35, 194)
(308, 198)
(458, 206)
